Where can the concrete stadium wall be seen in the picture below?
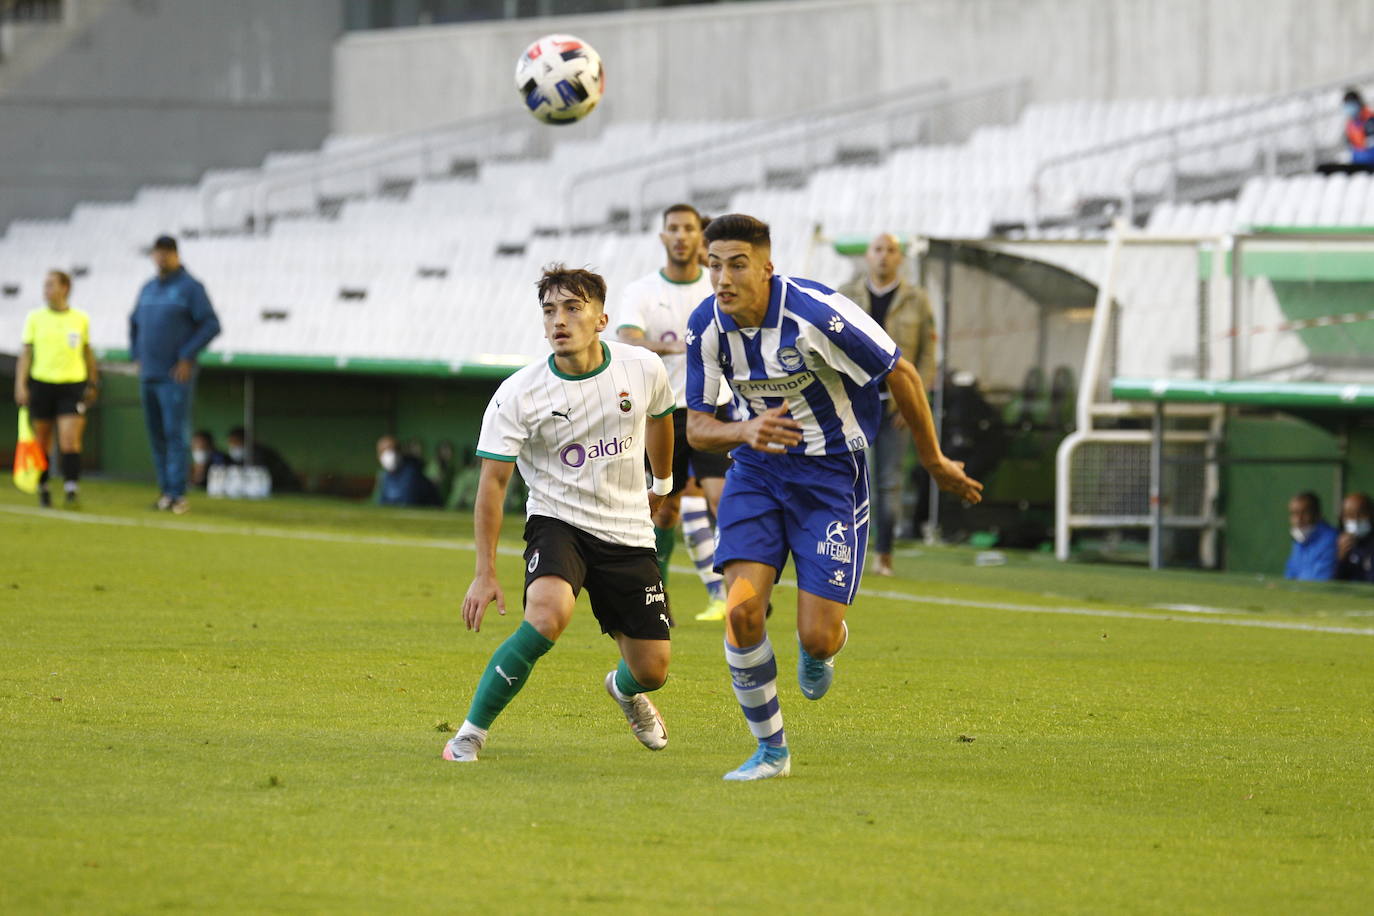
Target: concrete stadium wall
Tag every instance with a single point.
(780, 57)
(159, 92)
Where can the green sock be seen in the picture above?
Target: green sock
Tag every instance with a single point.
(625, 681)
(506, 673)
(664, 539)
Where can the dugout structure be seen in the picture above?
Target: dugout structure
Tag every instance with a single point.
(1191, 337)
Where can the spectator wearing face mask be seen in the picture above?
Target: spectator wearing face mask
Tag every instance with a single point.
(1313, 556)
(204, 456)
(1359, 128)
(1359, 136)
(1355, 546)
(402, 480)
(284, 480)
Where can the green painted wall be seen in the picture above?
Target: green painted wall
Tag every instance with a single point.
(325, 425)
(1255, 496)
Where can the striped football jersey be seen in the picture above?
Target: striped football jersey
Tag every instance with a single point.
(816, 351)
(579, 440)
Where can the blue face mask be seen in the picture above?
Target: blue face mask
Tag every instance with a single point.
(1352, 110)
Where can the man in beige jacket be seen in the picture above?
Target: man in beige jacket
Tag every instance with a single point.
(903, 310)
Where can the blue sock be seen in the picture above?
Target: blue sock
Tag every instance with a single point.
(754, 675)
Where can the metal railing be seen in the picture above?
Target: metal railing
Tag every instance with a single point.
(1259, 119)
(796, 144)
(416, 154)
(1273, 157)
(809, 144)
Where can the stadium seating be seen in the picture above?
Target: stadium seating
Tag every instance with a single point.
(405, 266)
(1306, 200)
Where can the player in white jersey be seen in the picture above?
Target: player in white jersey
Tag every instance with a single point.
(653, 314)
(805, 365)
(578, 426)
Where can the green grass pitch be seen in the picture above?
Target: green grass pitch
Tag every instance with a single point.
(241, 710)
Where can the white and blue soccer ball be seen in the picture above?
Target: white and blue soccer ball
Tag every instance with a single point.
(560, 79)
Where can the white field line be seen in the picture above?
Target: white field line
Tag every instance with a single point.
(507, 550)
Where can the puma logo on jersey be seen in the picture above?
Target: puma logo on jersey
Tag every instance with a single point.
(509, 680)
(565, 414)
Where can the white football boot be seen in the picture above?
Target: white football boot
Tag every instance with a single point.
(463, 748)
(642, 715)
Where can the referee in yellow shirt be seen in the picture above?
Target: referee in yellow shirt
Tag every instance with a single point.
(57, 379)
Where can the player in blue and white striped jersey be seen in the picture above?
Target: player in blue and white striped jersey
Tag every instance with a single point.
(805, 365)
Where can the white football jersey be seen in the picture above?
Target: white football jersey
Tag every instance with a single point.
(579, 440)
(660, 308)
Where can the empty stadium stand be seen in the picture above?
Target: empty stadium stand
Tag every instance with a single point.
(421, 248)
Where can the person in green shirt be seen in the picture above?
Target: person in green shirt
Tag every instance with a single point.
(57, 379)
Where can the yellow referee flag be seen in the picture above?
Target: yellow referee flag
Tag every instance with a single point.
(29, 460)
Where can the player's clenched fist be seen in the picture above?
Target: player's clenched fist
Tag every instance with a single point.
(950, 477)
(483, 591)
(773, 430)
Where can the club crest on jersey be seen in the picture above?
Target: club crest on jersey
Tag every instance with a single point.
(74, 340)
(577, 454)
(790, 359)
(625, 404)
(834, 546)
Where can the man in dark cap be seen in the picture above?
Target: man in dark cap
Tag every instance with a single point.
(171, 323)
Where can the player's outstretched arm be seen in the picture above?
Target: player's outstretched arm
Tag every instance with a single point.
(486, 529)
(658, 445)
(636, 337)
(904, 384)
(771, 431)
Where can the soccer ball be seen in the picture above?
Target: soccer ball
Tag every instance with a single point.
(560, 79)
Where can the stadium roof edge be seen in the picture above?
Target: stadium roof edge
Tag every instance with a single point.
(251, 362)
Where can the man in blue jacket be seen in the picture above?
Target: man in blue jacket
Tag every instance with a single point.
(402, 480)
(1313, 556)
(171, 323)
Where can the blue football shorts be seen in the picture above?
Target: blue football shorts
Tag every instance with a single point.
(814, 507)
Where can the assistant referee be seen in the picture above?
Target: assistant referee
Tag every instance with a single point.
(57, 379)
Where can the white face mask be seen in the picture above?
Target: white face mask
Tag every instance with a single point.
(1302, 534)
(390, 460)
(1359, 527)
(199, 455)
(236, 452)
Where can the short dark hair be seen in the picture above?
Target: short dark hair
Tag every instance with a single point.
(705, 221)
(1353, 95)
(685, 208)
(736, 227)
(1313, 501)
(238, 432)
(203, 434)
(165, 243)
(584, 283)
(63, 277)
